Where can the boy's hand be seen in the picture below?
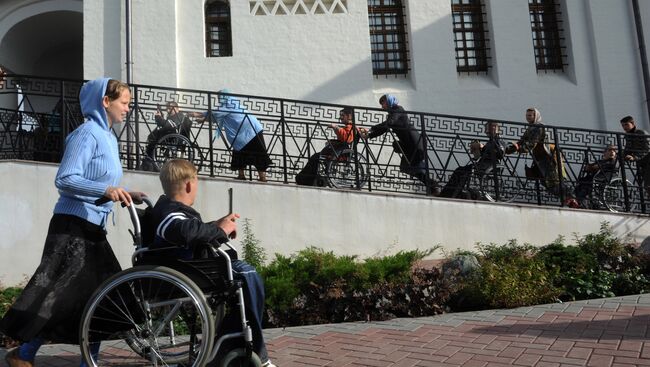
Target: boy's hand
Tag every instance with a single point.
(137, 197)
(228, 225)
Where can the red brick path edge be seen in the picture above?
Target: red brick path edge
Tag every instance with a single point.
(604, 332)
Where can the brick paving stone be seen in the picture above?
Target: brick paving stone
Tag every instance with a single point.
(511, 352)
(592, 333)
(474, 363)
(564, 360)
(547, 364)
(636, 361)
(581, 353)
(459, 358)
(600, 361)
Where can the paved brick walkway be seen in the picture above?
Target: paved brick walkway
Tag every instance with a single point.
(603, 332)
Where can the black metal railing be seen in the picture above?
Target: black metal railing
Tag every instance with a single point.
(37, 113)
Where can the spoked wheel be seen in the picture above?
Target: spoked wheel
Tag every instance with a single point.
(173, 146)
(341, 171)
(237, 358)
(147, 316)
(501, 188)
(612, 194)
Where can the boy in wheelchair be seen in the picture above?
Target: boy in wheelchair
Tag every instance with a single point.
(180, 233)
(308, 176)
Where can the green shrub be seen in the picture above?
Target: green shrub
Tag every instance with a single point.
(632, 281)
(610, 253)
(315, 286)
(509, 276)
(253, 252)
(587, 285)
(7, 297)
(562, 259)
(599, 266)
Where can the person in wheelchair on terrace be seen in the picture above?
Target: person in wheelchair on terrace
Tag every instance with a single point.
(485, 157)
(308, 176)
(182, 234)
(545, 165)
(176, 121)
(600, 172)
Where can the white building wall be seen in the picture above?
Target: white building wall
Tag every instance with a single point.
(326, 57)
(288, 218)
(104, 40)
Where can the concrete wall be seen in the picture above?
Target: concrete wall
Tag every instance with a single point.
(287, 218)
(326, 57)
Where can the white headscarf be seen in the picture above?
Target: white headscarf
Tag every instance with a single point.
(538, 115)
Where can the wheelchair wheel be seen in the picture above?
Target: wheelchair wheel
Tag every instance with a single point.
(147, 315)
(341, 170)
(173, 146)
(612, 194)
(501, 188)
(237, 358)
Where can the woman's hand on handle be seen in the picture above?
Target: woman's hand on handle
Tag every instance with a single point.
(118, 194)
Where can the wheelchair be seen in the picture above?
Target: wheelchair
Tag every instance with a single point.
(173, 144)
(608, 192)
(342, 168)
(166, 313)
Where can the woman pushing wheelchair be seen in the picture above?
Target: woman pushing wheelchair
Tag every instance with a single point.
(76, 258)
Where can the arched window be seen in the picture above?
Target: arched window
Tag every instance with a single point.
(218, 39)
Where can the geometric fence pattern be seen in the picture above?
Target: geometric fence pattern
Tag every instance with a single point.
(37, 113)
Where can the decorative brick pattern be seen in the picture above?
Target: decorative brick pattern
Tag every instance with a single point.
(298, 7)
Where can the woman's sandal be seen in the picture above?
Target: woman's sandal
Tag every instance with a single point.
(13, 360)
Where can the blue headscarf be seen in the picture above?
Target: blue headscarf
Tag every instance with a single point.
(391, 100)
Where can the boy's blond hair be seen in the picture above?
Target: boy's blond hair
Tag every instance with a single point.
(175, 173)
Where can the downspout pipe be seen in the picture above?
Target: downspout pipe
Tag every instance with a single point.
(643, 53)
(129, 62)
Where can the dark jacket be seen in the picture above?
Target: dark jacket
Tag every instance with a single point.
(492, 152)
(178, 225)
(636, 144)
(179, 122)
(410, 140)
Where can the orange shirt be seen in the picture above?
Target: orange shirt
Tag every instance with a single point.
(344, 134)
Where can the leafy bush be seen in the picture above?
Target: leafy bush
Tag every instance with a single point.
(509, 276)
(610, 253)
(253, 252)
(599, 266)
(315, 286)
(7, 297)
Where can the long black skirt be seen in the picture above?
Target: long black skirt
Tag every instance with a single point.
(76, 259)
(252, 154)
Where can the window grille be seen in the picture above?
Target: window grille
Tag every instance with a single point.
(218, 39)
(470, 36)
(545, 20)
(388, 43)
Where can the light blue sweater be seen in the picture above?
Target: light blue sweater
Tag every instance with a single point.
(238, 124)
(91, 160)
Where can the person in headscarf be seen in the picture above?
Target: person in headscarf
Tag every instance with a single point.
(409, 143)
(76, 258)
(545, 165)
(245, 135)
